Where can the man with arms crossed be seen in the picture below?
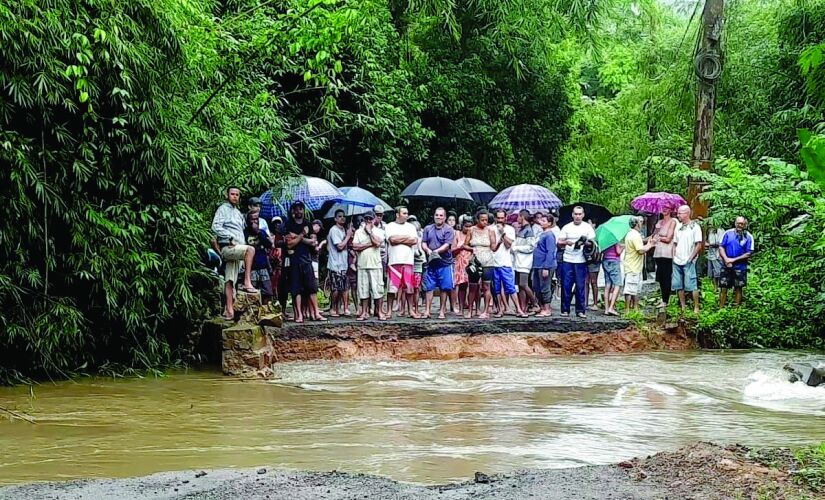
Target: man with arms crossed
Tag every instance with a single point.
(402, 238)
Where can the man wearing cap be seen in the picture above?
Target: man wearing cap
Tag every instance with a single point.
(367, 242)
(402, 237)
(302, 282)
(228, 226)
(436, 243)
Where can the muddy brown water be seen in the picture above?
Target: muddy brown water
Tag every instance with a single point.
(424, 421)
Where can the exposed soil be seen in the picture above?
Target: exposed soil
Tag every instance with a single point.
(455, 339)
(700, 471)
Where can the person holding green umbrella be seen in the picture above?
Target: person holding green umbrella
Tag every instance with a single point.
(609, 236)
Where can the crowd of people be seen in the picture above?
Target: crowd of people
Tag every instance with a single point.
(486, 264)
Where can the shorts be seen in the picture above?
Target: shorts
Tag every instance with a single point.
(714, 269)
(417, 280)
(233, 258)
(612, 273)
(504, 277)
(338, 281)
(262, 281)
(733, 277)
(352, 278)
(684, 277)
(523, 279)
(632, 283)
(370, 284)
(488, 274)
(315, 269)
(401, 277)
(593, 268)
(302, 279)
(440, 277)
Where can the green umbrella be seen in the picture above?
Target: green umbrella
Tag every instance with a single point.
(613, 231)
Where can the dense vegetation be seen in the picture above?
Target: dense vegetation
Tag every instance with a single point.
(122, 123)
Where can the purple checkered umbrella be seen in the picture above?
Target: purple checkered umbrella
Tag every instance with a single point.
(654, 203)
(525, 197)
(313, 191)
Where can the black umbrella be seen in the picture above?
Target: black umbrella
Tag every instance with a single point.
(478, 189)
(436, 189)
(597, 213)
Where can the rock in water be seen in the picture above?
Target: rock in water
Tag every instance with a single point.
(806, 373)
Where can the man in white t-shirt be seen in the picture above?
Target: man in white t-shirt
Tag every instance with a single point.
(574, 266)
(504, 279)
(688, 240)
(401, 237)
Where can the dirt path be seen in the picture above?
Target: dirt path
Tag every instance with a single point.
(700, 471)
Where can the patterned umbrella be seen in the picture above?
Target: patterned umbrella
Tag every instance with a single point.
(356, 201)
(313, 191)
(654, 203)
(479, 190)
(436, 189)
(525, 196)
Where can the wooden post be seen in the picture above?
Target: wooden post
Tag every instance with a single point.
(708, 66)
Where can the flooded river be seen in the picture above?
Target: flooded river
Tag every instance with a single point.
(423, 422)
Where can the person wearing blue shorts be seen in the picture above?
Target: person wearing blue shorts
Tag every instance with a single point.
(688, 240)
(436, 242)
(504, 279)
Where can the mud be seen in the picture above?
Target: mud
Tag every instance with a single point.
(458, 339)
(700, 471)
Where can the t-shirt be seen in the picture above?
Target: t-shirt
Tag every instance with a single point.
(714, 238)
(302, 253)
(435, 237)
(572, 232)
(369, 258)
(633, 260)
(260, 241)
(736, 245)
(612, 253)
(337, 258)
(686, 236)
(544, 256)
(400, 254)
(502, 256)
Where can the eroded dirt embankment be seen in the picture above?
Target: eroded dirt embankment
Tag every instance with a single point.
(456, 340)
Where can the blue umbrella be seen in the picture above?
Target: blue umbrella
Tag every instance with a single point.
(313, 191)
(356, 201)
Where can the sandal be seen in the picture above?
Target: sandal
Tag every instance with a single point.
(247, 290)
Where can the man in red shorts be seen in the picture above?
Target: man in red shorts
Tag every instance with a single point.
(402, 238)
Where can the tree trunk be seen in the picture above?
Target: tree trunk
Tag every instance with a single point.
(708, 66)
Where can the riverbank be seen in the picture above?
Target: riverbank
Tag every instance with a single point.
(702, 470)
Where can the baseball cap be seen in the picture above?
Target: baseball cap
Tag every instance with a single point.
(369, 214)
(296, 203)
(253, 201)
(379, 209)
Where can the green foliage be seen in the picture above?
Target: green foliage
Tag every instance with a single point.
(785, 296)
(812, 467)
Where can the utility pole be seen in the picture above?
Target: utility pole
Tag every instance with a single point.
(708, 66)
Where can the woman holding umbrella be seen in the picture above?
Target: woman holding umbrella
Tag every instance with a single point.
(663, 253)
